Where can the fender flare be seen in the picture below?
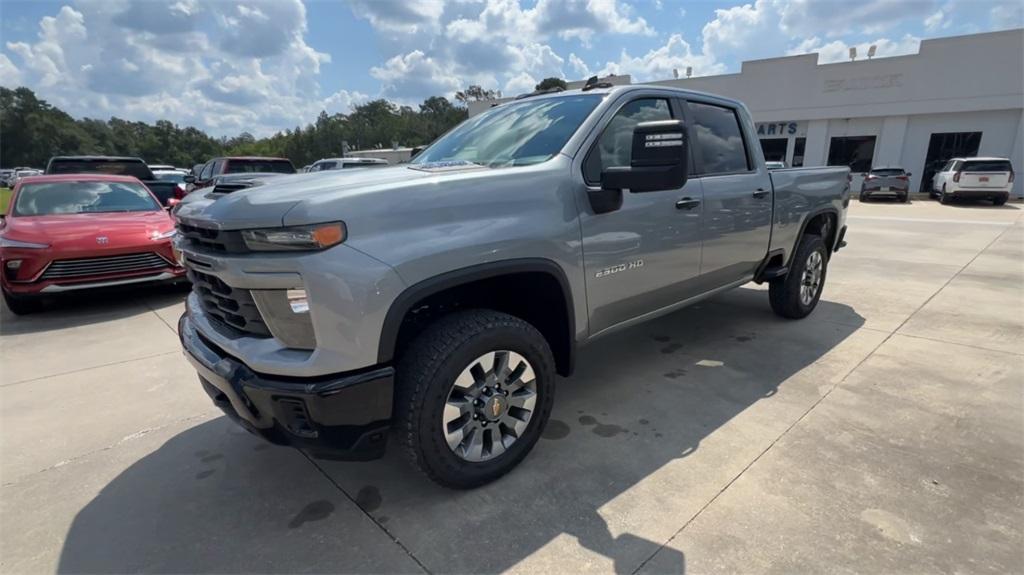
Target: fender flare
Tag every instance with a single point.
(454, 278)
(803, 229)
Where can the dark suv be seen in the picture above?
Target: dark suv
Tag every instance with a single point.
(203, 176)
(889, 181)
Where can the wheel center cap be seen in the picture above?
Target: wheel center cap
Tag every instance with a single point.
(495, 407)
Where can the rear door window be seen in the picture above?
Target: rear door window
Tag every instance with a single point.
(720, 145)
(987, 166)
(207, 171)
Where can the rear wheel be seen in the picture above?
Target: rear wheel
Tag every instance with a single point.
(905, 198)
(863, 197)
(944, 197)
(797, 293)
(22, 305)
(475, 390)
(1000, 200)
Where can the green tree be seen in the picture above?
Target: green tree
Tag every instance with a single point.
(549, 83)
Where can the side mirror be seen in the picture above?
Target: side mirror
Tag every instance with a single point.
(190, 178)
(658, 161)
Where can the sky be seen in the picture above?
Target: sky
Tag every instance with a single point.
(261, 66)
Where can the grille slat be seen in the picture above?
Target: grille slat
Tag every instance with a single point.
(212, 240)
(84, 267)
(230, 306)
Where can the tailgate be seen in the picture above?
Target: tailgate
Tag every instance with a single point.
(984, 179)
(161, 189)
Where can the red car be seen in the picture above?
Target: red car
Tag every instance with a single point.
(80, 231)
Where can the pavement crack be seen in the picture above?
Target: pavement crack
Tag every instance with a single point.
(79, 370)
(119, 442)
(367, 514)
(816, 404)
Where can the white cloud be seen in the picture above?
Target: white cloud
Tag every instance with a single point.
(659, 63)
(223, 66)
(407, 77)
(1007, 15)
(10, 75)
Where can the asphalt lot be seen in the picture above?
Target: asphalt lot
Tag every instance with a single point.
(885, 433)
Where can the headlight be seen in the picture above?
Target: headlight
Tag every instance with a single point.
(315, 237)
(9, 243)
(168, 234)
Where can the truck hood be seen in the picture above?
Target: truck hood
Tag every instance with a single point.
(290, 200)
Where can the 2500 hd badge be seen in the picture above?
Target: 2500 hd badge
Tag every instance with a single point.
(620, 268)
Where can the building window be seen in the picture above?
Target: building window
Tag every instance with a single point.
(719, 139)
(942, 147)
(853, 151)
(798, 152)
(774, 149)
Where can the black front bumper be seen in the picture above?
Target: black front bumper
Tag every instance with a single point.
(343, 416)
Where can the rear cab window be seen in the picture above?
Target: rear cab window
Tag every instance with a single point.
(888, 172)
(240, 166)
(721, 147)
(136, 169)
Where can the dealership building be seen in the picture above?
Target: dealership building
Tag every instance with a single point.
(958, 96)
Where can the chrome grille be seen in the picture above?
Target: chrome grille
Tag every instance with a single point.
(230, 306)
(85, 267)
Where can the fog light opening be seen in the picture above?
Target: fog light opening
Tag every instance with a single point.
(297, 300)
(13, 264)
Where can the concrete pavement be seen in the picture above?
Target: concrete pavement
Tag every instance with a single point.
(883, 433)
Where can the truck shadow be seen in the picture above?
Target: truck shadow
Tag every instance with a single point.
(656, 422)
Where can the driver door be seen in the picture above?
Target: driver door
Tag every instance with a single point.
(645, 255)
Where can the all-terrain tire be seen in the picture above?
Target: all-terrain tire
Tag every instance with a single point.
(426, 373)
(945, 198)
(784, 293)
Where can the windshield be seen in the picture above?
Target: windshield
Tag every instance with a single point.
(248, 166)
(83, 198)
(514, 134)
(176, 177)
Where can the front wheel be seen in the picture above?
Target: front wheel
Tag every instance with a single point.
(474, 391)
(796, 294)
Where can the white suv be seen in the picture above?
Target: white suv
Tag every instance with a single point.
(344, 163)
(974, 178)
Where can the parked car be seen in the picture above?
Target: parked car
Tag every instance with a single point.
(116, 165)
(174, 175)
(974, 178)
(82, 231)
(775, 165)
(161, 167)
(887, 181)
(344, 163)
(238, 165)
(442, 296)
(21, 174)
(7, 176)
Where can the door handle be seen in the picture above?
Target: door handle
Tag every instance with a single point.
(760, 193)
(687, 204)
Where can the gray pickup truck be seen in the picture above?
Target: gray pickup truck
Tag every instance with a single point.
(439, 299)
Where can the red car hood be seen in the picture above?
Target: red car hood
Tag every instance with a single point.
(85, 232)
